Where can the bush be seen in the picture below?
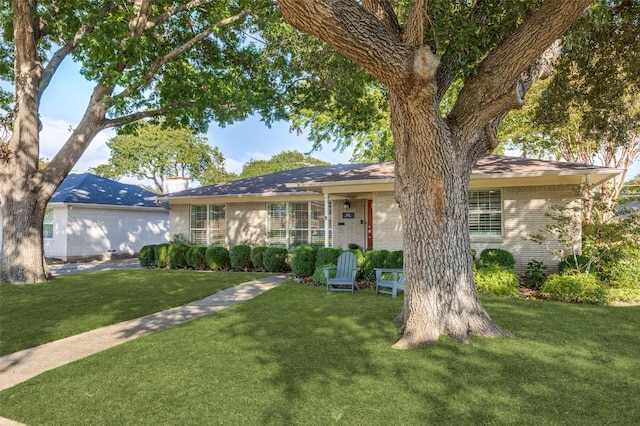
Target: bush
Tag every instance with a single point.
(574, 287)
(395, 259)
(373, 259)
(535, 274)
(496, 256)
(161, 255)
(217, 258)
(240, 257)
(496, 279)
(319, 278)
(303, 261)
(620, 267)
(257, 257)
(177, 253)
(196, 257)
(327, 256)
(275, 259)
(147, 256)
(568, 264)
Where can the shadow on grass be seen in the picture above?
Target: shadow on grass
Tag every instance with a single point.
(297, 355)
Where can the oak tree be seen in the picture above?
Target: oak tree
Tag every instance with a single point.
(416, 49)
(190, 62)
(286, 160)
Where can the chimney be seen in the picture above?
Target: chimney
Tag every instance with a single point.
(174, 184)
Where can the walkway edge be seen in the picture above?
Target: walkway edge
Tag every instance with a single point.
(21, 366)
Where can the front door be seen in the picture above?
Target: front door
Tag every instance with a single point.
(369, 224)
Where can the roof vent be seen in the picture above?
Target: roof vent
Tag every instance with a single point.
(174, 184)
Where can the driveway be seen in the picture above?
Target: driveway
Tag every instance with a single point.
(104, 265)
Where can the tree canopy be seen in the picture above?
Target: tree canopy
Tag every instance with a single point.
(286, 160)
(154, 153)
(589, 110)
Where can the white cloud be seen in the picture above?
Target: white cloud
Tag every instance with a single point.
(56, 132)
(233, 166)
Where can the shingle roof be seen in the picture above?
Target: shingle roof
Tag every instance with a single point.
(285, 182)
(267, 184)
(86, 188)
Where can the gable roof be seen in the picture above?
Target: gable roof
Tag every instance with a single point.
(315, 179)
(87, 188)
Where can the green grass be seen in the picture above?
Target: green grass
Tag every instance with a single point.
(71, 304)
(297, 355)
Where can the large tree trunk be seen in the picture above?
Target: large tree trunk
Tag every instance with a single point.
(22, 255)
(432, 183)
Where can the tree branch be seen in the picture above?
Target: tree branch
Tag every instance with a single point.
(383, 10)
(161, 61)
(493, 90)
(57, 58)
(371, 45)
(416, 23)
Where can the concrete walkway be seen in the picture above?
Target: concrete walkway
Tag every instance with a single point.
(21, 366)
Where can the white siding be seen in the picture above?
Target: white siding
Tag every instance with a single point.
(105, 233)
(56, 247)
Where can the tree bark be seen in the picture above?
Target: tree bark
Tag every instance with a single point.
(434, 156)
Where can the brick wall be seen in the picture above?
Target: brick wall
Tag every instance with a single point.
(246, 224)
(349, 230)
(387, 224)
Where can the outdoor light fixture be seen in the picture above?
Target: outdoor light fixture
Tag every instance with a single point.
(347, 205)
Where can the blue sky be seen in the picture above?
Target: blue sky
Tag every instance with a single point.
(66, 99)
(67, 96)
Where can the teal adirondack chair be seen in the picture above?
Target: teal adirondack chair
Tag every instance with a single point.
(389, 286)
(345, 279)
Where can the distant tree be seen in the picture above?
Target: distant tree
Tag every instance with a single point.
(286, 160)
(155, 153)
(589, 110)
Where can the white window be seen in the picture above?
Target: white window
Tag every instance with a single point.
(208, 224)
(485, 213)
(295, 223)
(47, 224)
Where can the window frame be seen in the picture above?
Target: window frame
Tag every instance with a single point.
(212, 234)
(486, 227)
(291, 213)
(48, 224)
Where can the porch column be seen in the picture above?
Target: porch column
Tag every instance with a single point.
(326, 220)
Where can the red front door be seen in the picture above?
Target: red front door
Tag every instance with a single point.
(369, 224)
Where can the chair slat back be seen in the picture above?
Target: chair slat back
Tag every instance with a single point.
(346, 265)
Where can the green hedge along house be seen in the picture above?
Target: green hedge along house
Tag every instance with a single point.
(338, 205)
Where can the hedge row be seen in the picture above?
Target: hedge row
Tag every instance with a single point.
(215, 257)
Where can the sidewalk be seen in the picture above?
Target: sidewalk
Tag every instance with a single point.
(21, 366)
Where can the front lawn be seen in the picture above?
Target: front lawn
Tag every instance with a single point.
(297, 355)
(34, 314)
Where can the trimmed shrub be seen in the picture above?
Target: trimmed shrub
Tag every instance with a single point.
(373, 259)
(196, 257)
(240, 257)
(217, 258)
(177, 253)
(395, 259)
(319, 278)
(147, 256)
(161, 255)
(327, 256)
(568, 264)
(257, 257)
(574, 287)
(275, 259)
(303, 261)
(497, 280)
(496, 256)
